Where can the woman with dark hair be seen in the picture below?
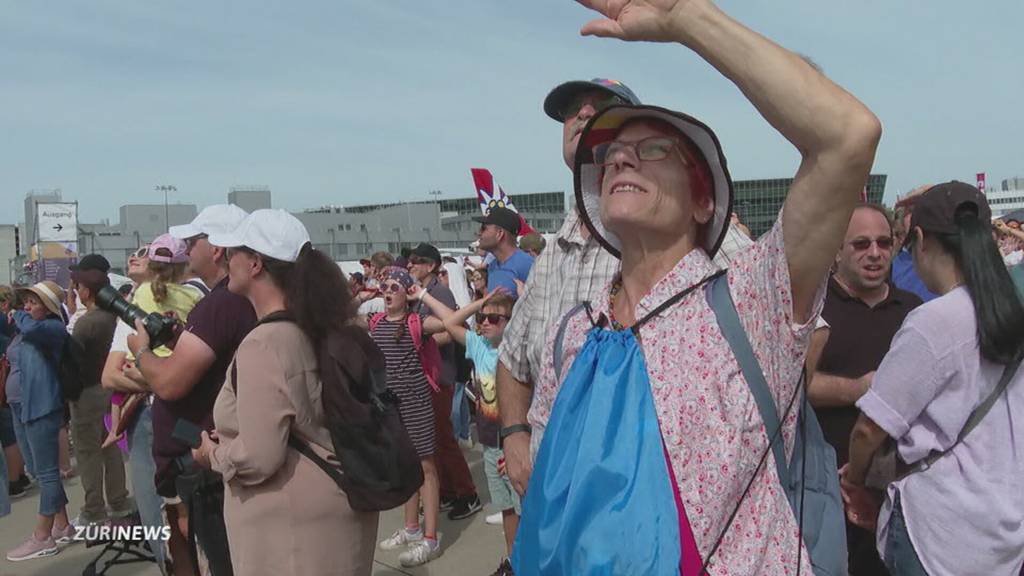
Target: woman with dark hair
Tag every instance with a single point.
(38, 408)
(948, 393)
(283, 514)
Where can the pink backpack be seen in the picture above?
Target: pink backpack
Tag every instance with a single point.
(426, 348)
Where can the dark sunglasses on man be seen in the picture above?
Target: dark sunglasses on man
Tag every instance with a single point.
(862, 244)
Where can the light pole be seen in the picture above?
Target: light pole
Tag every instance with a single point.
(436, 194)
(165, 189)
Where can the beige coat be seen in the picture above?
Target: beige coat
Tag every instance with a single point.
(284, 515)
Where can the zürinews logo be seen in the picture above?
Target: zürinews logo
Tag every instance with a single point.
(106, 532)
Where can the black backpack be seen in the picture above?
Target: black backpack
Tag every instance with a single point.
(68, 370)
(374, 460)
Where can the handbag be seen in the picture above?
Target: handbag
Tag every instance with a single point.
(130, 410)
(887, 466)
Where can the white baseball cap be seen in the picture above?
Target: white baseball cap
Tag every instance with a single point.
(216, 219)
(273, 233)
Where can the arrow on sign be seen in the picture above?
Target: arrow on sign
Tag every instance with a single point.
(58, 227)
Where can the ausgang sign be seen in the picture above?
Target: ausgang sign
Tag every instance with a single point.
(57, 222)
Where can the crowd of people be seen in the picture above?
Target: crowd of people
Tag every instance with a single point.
(642, 381)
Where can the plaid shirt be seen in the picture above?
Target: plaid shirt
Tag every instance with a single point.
(571, 270)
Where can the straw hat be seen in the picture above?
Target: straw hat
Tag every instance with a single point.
(50, 294)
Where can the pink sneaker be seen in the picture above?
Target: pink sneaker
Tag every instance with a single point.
(63, 536)
(32, 549)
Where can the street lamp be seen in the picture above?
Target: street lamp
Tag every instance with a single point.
(436, 194)
(165, 189)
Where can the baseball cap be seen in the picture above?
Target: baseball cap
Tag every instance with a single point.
(604, 126)
(562, 95)
(91, 262)
(174, 250)
(502, 217)
(424, 250)
(216, 219)
(935, 210)
(273, 233)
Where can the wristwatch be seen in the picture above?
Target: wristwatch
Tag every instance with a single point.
(510, 430)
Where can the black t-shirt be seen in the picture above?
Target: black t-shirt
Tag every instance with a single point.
(443, 295)
(859, 339)
(221, 320)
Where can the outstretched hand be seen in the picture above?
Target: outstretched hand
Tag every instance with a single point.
(649, 20)
(415, 292)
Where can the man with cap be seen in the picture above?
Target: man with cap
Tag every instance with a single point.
(458, 493)
(186, 383)
(100, 468)
(655, 396)
(571, 270)
(497, 236)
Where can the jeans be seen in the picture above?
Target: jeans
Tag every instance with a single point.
(143, 470)
(42, 434)
(900, 557)
(22, 438)
(100, 468)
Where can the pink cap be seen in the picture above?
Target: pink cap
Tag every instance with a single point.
(166, 243)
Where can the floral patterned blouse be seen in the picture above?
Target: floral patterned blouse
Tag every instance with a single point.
(710, 423)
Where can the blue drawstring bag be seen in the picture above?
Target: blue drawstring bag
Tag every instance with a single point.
(600, 496)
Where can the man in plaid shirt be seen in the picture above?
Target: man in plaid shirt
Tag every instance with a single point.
(574, 268)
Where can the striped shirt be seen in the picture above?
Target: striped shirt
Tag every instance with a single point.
(407, 380)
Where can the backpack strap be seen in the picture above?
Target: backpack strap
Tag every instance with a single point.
(412, 321)
(560, 336)
(375, 319)
(721, 302)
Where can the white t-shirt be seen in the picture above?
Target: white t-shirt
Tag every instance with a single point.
(372, 306)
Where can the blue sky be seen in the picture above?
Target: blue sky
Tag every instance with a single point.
(358, 101)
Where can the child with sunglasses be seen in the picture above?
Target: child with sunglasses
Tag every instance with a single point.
(493, 312)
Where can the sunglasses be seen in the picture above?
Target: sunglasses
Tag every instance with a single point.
(392, 288)
(493, 319)
(862, 244)
(649, 150)
(141, 252)
(577, 104)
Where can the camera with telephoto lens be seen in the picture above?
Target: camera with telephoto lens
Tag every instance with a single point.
(161, 329)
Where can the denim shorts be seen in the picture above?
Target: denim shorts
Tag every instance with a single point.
(503, 496)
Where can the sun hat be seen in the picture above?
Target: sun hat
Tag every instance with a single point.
(273, 233)
(215, 219)
(174, 250)
(561, 95)
(50, 294)
(587, 174)
(935, 210)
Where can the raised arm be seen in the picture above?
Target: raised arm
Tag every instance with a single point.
(835, 134)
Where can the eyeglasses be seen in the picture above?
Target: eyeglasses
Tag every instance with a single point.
(862, 244)
(649, 150)
(142, 252)
(393, 288)
(491, 318)
(599, 103)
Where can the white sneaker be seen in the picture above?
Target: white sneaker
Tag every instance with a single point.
(494, 519)
(420, 553)
(401, 538)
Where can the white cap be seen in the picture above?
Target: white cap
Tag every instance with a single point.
(273, 233)
(216, 219)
